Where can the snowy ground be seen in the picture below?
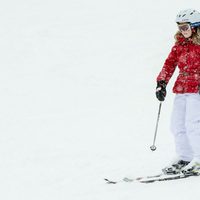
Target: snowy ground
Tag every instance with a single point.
(77, 103)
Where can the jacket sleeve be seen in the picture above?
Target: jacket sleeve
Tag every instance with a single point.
(169, 66)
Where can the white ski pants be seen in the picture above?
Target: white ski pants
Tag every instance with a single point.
(185, 125)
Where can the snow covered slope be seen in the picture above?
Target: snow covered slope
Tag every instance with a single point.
(77, 103)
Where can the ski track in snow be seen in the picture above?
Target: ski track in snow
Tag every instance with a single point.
(77, 103)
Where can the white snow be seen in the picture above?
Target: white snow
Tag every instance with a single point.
(77, 102)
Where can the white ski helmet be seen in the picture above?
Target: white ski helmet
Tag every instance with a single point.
(189, 16)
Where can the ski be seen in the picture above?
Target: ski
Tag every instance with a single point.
(153, 178)
(126, 179)
(167, 178)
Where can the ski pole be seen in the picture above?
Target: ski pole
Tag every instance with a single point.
(153, 147)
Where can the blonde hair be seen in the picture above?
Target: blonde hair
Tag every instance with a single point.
(195, 36)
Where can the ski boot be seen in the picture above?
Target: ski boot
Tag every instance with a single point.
(192, 169)
(175, 167)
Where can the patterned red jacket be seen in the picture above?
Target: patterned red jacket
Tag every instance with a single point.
(186, 55)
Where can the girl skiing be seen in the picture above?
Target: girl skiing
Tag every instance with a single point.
(185, 119)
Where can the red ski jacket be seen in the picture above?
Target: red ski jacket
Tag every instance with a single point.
(186, 55)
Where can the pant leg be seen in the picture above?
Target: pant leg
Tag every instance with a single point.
(193, 123)
(183, 148)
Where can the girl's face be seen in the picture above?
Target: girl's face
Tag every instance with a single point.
(185, 29)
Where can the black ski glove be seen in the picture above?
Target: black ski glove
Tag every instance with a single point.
(161, 90)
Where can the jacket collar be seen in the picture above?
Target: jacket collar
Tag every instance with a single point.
(181, 40)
